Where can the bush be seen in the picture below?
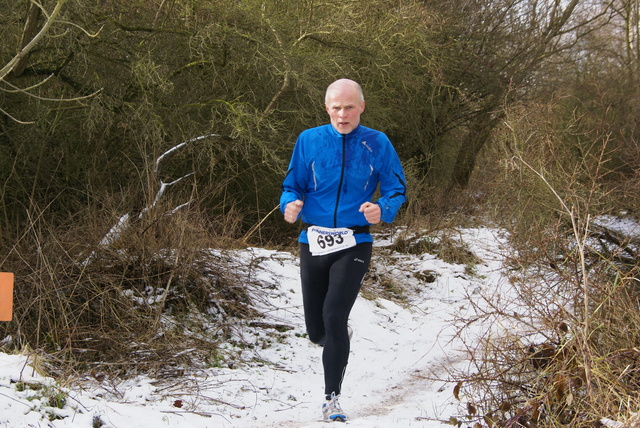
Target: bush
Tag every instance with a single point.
(132, 304)
(560, 341)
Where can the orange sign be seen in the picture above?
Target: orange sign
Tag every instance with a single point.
(6, 296)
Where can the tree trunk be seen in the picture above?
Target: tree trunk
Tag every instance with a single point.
(477, 137)
(30, 30)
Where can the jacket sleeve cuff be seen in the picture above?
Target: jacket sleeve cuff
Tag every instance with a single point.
(285, 199)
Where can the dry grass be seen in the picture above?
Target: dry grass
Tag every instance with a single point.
(135, 304)
(557, 365)
(560, 344)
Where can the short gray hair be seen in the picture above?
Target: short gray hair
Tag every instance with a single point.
(353, 83)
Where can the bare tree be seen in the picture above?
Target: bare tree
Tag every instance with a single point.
(503, 45)
(627, 14)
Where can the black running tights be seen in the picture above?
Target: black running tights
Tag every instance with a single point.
(330, 286)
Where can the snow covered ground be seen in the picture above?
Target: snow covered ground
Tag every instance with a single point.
(397, 374)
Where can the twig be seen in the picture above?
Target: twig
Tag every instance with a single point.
(581, 238)
(256, 226)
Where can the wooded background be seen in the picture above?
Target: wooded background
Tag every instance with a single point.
(461, 87)
(145, 125)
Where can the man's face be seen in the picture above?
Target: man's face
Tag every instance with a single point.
(344, 107)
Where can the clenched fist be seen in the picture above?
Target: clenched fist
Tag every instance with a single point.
(292, 210)
(372, 212)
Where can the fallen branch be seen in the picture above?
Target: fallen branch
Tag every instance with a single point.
(125, 220)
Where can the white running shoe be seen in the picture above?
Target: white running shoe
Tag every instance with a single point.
(331, 411)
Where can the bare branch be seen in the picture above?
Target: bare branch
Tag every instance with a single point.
(15, 119)
(30, 28)
(17, 64)
(163, 188)
(29, 46)
(26, 92)
(16, 89)
(92, 35)
(286, 80)
(175, 149)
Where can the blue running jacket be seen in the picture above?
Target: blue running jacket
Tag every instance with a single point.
(334, 174)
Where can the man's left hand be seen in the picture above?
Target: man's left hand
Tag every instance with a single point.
(371, 212)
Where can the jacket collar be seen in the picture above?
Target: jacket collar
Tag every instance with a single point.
(351, 134)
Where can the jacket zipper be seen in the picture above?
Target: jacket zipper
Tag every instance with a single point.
(344, 156)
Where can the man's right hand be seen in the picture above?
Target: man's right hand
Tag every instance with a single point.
(292, 211)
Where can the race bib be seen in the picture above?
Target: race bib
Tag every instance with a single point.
(325, 240)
